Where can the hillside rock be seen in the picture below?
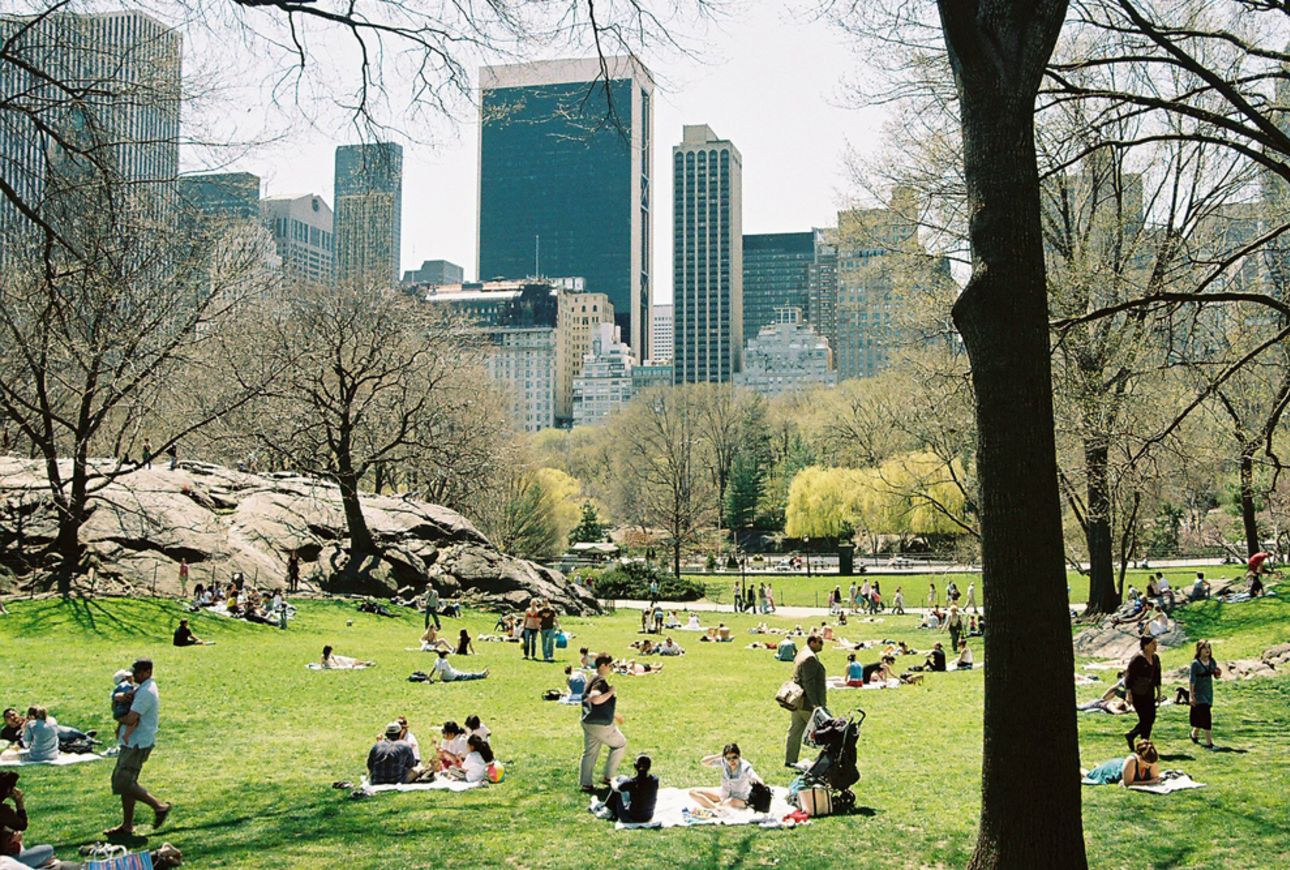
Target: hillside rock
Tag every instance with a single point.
(224, 521)
(1107, 641)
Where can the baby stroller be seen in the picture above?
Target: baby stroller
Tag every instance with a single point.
(835, 768)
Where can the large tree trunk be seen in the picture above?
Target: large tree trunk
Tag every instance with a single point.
(1248, 519)
(72, 507)
(998, 49)
(361, 544)
(1102, 595)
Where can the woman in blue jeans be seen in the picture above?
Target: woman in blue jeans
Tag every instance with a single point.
(13, 821)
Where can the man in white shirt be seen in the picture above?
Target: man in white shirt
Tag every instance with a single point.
(135, 750)
(1166, 594)
(670, 647)
(448, 674)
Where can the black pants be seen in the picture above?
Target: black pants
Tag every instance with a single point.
(1145, 707)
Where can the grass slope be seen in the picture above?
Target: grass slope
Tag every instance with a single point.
(251, 741)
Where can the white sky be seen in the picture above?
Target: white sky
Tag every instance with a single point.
(768, 83)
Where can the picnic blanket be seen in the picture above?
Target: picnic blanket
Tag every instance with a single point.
(1170, 781)
(317, 666)
(676, 809)
(840, 683)
(15, 759)
(438, 784)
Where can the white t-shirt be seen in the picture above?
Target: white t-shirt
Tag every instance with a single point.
(1163, 585)
(411, 740)
(739, 784)
(475, 767)
(444, 670)
(483, 731)
(456, 746)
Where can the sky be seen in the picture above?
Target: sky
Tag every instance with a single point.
(769, 83)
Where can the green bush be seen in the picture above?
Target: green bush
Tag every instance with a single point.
(632, 580)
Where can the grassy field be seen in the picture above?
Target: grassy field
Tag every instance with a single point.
(251, 742)
(814, 591)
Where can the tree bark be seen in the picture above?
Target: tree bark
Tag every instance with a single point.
(1102, 595)
(998, 49)
(1249, 520)
(361, 544)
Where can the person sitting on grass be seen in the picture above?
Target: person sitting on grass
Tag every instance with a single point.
(448, 674)
(432, 642)
(692, 624)
(672, 621)
(475, 726)
(40, 735)
(855, 672)
(723, 633)
(737, 779)
(1140, 768)
(936, 659)
(390, 760)
(632, 799)
(878, 673)
(787, 650)
(670, 647)
(184, 636)
(13, 821)
(409, 738)
(964, 662)
(453, 748)
(331, 660)
(644, 647)
(576, 681)
(464, 646)
(474, 765)
(1200, 588)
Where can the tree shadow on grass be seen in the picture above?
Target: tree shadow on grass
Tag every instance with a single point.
(118, 617)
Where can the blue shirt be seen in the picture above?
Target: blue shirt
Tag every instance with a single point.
(146, 704)
(855, 671)
(120, 708)
(577, 684)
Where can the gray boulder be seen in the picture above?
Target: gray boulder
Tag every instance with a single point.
(224, 521)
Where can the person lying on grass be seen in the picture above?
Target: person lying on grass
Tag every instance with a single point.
(448, 674)
(631, 668)
(1140, 768)
(330, 660)
(737, 778)
(670, 647)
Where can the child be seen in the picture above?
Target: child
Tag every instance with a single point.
(577, 682)
(474, 726)
(453, 748)
(122, 699)
(474, 767)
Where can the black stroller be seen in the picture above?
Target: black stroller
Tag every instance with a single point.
(835, 768)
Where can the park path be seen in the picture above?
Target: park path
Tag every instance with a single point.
(784, 611)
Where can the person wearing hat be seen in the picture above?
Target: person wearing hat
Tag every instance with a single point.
(391, 759)
(137, 740)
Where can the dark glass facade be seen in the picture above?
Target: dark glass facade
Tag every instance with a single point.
(556, 188)
(776, 275)
(368, 223)
(225, 195)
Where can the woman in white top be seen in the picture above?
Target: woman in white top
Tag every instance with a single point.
(965, 658)
(474, 726)
(692, 623)
(737, 778)
(409, 738)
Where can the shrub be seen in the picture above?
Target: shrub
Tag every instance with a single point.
(632, 580)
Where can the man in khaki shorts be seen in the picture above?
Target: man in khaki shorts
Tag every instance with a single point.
(135, 750)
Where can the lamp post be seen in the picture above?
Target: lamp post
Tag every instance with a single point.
(806, 543)
(743, 576)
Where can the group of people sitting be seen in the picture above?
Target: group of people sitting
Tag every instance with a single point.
(243, 602)
(463, 753)
(432, 642)
(37, 736)
(1143, 617)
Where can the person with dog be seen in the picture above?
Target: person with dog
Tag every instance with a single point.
(808, 672)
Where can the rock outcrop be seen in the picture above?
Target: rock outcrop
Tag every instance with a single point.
(1107, 641)
(224, 521)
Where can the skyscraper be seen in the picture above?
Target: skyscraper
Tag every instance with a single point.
(660, 334)
(435, 273)
(221, 195)
(776, 275)
(707, 257)
(301, 225)
(369, 210)
(108, 84)
(564, 174)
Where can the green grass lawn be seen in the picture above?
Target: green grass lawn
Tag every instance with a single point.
(814, 591)
(251, 742)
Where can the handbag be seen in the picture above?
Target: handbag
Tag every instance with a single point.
(791, 696)
(815, 802)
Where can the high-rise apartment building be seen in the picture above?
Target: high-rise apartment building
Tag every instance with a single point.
(108, 83)
(579, 317)
(776, 275)
(660, 333)
(564, 179)
(435, 273)
(868, 278)
(301, 225)
(786, 356)
(707, 257)
(605, 383)
(369, 212)
(221, 195)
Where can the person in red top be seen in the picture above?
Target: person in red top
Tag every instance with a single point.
(1258, 562)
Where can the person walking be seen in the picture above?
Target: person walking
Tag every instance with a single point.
(135, 750)
(432, 607)
(971, 597)
(183, 577)
(1201, 693)
(600, 721)
(955, 624)
(931, 595)
(147, 453)
(547, 626)
(1142, 678)
(898, 602)
(808, 672)
(533, 624)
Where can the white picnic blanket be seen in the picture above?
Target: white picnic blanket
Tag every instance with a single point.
(317, 666)
(14, 759)
(675, 809)
(438, 784)
(840, 683)
(1173, 780)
